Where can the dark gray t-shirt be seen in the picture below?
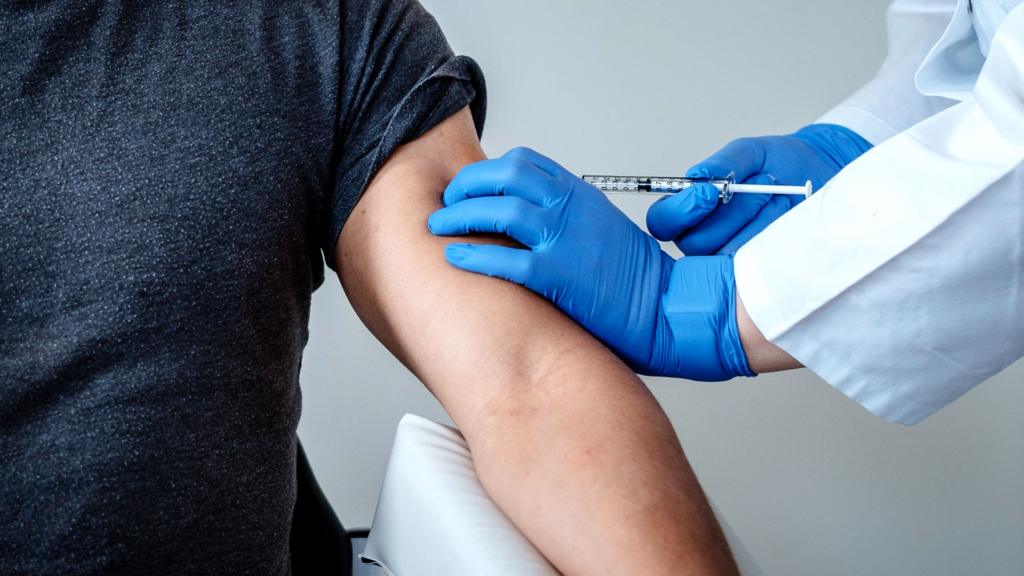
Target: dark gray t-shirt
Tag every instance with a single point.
(169, 176)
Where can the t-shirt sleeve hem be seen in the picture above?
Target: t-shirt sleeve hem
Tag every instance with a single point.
(454, 85)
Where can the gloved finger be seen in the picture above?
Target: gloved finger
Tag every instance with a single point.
(509, 215)
(769, 213)
(512, 264)
(723, 223)
(502, 177)
(671, 216)
(539, 160)
(741, 158)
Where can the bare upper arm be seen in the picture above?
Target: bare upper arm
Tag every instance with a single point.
(467, 337)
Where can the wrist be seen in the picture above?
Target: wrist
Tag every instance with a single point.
(762, 356)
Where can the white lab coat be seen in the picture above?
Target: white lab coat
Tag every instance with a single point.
(901, 283)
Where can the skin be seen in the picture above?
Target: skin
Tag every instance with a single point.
(565, 438)
(762, 355)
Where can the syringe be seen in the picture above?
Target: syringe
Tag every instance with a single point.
(670, 185)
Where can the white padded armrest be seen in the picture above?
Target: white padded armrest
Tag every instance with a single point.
(434, 518)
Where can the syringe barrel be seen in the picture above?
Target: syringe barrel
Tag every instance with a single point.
(616, 183)
(668, 185)
(671, 185)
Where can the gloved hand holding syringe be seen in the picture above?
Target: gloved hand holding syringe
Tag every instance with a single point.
(671, 185)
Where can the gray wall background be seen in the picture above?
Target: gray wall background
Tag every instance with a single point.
(812, 483)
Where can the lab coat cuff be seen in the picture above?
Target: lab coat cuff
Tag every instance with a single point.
(757, 287)
(756, 294)
(833, 366)
(839, 369)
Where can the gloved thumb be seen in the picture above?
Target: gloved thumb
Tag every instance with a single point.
(670, 217)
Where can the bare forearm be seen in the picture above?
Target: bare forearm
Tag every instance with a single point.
(566, 439)
(593, 473)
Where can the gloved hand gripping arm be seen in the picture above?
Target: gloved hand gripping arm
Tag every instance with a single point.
(664, 317)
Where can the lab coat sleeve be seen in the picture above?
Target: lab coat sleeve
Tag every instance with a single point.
(890, 102)
(902, 282)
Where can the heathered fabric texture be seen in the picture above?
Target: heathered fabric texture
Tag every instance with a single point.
(169, 173)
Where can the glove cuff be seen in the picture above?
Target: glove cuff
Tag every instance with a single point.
(699, 308)
(838, 143)
(734, 357)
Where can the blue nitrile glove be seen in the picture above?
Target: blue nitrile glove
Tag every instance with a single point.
(700, 225)
(661, 316)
